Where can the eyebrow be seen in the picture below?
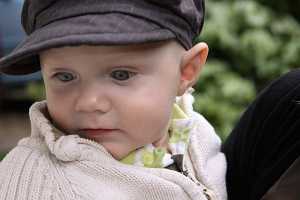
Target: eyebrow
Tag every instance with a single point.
(53, 70)
(60, 69)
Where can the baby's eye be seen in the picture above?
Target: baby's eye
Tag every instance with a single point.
(64, 76)
(122, 75)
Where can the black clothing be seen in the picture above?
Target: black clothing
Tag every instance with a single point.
(288, 186)
(266, 140)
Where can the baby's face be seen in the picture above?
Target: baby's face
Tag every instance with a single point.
(118, 96)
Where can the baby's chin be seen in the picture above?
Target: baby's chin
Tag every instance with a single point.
(118, 152)
(118, 155)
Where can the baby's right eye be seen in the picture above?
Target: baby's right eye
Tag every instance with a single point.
(122, 74)
(64, 76)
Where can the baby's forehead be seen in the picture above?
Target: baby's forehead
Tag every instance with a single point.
(105, 57)
(151, 46)
(141, 51)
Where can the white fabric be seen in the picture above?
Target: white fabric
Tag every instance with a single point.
(50, 165)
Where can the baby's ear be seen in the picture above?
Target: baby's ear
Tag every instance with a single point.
(191, 64)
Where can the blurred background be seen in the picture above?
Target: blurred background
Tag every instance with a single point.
(251, 43)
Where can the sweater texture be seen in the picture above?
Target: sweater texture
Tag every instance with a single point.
(52, 165)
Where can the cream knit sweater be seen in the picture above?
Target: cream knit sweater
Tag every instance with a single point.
(50, 165)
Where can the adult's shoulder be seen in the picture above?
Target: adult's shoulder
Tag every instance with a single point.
(283, 85)
(293, 76)
(280, 93)
(265, 141)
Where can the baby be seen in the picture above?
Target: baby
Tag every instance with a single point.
(118, 121)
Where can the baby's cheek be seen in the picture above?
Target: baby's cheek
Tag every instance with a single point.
(61, 115)
(144, 113)
(157, 120)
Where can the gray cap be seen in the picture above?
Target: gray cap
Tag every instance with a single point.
(57, 23)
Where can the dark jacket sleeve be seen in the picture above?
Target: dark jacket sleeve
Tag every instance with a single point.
(266, 140)
(287, 187)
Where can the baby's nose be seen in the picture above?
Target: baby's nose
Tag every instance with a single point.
(93, 100)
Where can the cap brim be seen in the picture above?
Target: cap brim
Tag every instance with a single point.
(104, 29)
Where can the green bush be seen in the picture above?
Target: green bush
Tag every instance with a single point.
(36, 91)
(2, 155)
(250, 45)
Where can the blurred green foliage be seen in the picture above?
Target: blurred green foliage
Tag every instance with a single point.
(287, 6)
(2, 155)
(36, 90)
(251, 43)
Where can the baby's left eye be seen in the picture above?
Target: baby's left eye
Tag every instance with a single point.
(122, 75)
(64, 76)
